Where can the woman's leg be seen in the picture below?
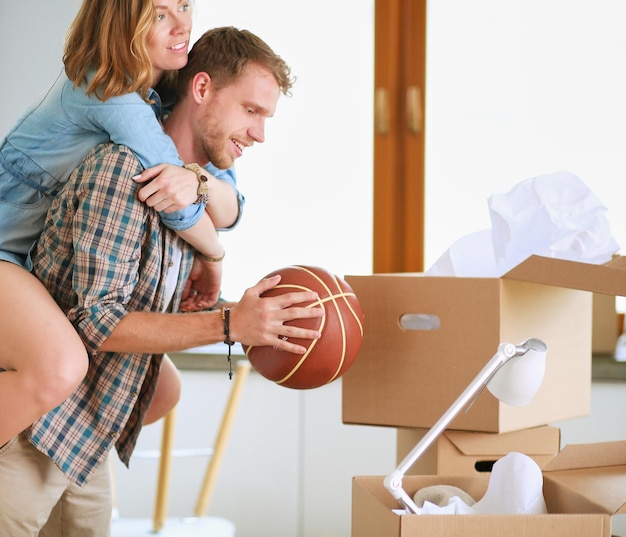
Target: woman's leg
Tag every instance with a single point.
(167, 392)
(42, 355)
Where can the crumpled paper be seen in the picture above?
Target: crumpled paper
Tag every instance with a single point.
(553, 215)
(515, 488)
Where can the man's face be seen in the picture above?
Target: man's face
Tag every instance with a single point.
(234, 117)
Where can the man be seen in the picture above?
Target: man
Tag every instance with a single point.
(117, 271)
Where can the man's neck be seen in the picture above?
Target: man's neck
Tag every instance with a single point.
(179, 128)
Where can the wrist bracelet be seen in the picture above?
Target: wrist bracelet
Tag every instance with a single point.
(226, 318)
(209, 258)
(203, 183)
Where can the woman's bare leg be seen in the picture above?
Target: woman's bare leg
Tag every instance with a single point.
(167, 392)
(43, 356)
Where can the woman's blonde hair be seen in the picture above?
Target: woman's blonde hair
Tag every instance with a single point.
(110, 36)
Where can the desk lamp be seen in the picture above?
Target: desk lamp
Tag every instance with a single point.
(513, 375)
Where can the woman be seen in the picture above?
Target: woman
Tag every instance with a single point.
(104, 94)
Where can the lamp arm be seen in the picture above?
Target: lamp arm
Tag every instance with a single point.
(393, 482)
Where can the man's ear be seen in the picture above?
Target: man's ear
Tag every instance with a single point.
(200, 86)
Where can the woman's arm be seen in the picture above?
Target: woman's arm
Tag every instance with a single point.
(167, 191)
(130, 121)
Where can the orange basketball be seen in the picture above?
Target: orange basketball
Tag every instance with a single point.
(326, 358)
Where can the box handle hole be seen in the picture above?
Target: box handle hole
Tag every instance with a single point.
(484, 466)
(419, 321)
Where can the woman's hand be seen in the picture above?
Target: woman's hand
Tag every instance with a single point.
(171, 188)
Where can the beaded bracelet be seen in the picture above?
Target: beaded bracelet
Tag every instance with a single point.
(226, 318)
(203, 184)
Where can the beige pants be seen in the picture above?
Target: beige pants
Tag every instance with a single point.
(36, 499)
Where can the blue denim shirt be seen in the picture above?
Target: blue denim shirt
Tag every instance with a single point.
(52, 138)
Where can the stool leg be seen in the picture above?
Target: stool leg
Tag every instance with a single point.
(206, 491)
(165, 470)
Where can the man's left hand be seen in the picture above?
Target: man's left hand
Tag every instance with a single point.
(202, 289)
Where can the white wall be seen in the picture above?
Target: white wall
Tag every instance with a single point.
(31, 40)
(308, 187)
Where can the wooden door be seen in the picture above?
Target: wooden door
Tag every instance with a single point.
(399, 78)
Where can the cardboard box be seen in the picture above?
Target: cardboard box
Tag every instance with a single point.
(408, 378)
(471, 453)
(583, 487)
(606, 328)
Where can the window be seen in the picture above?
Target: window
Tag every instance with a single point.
(519, 89)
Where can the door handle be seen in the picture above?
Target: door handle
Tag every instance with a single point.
(381, 111)
(414, 113)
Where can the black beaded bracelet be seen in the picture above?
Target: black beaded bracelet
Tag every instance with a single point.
(227, 340)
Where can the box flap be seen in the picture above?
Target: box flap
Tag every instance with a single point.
(607, 279)
(596, 472)
(602, 489)
(618, 262)
(372, 506)
(534, 441)
(575, 456)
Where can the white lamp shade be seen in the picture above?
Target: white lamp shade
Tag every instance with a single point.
(519, 379)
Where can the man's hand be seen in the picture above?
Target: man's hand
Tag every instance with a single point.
(172, 187)
(260, 321)
(202, 289)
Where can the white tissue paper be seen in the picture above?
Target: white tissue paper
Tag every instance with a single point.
(515, 488)
(553, 215)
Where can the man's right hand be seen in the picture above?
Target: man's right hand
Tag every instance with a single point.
(259, 321)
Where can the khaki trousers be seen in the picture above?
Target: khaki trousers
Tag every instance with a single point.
(36, 499)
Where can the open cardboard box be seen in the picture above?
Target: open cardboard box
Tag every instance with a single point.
(407, 377)
(472, 453)
(584, 485)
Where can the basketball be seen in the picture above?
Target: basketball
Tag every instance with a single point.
(341, 327)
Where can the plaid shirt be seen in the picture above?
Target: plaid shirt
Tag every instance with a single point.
(103, 254)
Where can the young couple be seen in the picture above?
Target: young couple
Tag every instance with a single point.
(89, 297)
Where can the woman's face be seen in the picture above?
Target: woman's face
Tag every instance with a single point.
(168, 41)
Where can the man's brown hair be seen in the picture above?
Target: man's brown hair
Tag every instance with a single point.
(225, 53)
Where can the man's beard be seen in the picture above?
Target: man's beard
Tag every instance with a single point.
(215, 144)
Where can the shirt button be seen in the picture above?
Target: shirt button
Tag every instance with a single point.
(113, 434)
(134, 395)
(170, 264)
